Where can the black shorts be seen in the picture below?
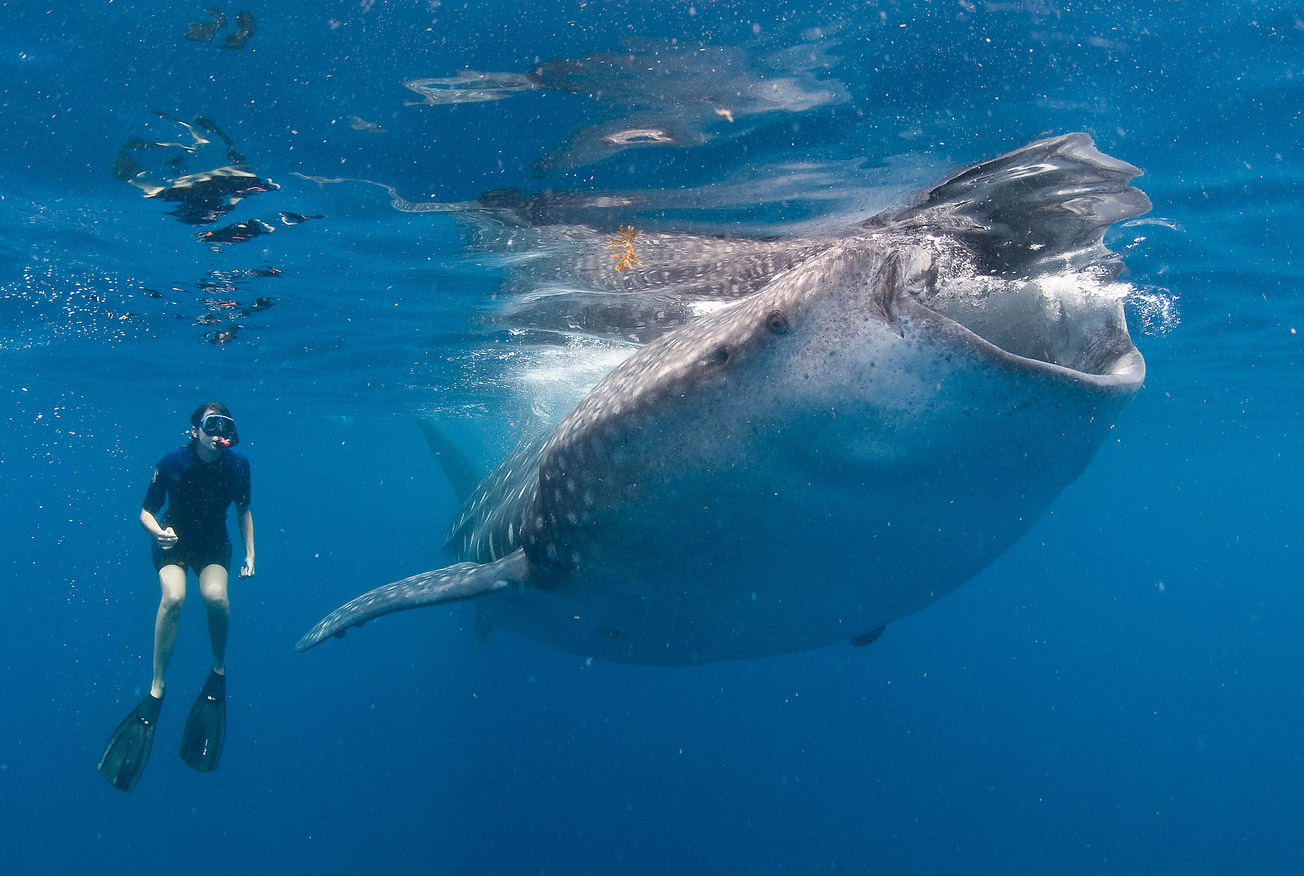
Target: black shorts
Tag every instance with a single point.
(195, 557)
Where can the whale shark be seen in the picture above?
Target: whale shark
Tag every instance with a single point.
(861, 422)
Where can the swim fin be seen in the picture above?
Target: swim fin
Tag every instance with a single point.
(201, 743)
(127, 753)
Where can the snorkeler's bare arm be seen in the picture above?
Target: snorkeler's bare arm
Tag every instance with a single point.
(245, 518)
(166, 537)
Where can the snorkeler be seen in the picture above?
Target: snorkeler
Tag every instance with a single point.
(198, 482)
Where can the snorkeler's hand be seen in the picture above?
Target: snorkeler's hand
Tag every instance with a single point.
(167, 538)
(247, 570)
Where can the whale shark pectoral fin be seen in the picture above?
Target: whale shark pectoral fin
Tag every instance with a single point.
(482, 627)
(461, 472)
(867, 638)
(450, 584)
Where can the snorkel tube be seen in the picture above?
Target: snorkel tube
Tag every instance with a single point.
(227, 441)
(222, 427)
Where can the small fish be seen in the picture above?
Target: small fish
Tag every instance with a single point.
(245, 28)
(203, 31)
(358, 123)
(296, 218)
(221, 336)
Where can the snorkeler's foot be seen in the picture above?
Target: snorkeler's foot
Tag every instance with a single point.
(128, 750)
(201, 743)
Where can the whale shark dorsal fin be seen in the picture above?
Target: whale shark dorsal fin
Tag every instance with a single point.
(1041, 208)
(461, 472)
(454, 583)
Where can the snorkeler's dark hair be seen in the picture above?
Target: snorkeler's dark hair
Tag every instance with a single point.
(215, 407)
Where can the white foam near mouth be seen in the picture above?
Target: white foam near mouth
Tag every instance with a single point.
(1073, 319)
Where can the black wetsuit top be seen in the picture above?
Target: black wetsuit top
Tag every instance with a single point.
(198, 494)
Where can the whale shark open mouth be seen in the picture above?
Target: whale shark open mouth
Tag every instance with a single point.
(1073, 320)
(1017, 255)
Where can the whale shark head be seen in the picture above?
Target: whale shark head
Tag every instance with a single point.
(862, 373)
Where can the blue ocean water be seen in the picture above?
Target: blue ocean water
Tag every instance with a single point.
(1119, 693)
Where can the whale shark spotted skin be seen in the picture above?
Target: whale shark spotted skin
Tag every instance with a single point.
(868, 420)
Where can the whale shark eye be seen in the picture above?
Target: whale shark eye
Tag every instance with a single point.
(776, 322)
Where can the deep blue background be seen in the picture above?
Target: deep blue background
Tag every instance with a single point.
(1120, 693)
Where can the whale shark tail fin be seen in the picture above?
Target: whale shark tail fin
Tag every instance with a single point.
(1036, 210)
(451, 584)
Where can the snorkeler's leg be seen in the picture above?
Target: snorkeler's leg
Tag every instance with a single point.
(172, 582)
(201, 741)
(212, 586)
